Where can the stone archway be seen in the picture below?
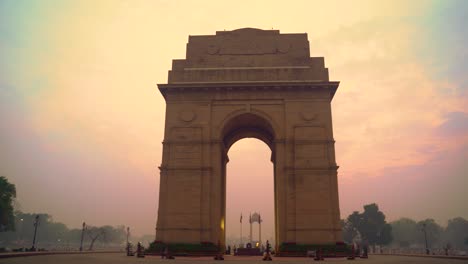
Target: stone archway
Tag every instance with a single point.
(248, 83)
(244, 125)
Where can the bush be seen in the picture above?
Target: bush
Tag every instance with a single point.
(157, 247)
(339, 248)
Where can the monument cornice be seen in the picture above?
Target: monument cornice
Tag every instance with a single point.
(184, 168)
(248, 86)
(312, 168)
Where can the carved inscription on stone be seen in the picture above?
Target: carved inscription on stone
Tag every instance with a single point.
(310, 151)
(186, 147)
(187, 152)
(234, 46)
(186, 155)
(186, 133)
(309, 133)
(309, 155)
(312, 154)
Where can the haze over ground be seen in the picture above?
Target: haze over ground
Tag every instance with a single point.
(82, 120)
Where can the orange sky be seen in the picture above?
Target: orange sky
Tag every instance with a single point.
(82, 120)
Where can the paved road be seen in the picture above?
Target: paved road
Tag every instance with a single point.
(117, 258)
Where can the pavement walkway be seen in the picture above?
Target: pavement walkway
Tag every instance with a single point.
(121, 258)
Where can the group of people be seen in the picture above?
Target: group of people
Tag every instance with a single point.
(140, 250)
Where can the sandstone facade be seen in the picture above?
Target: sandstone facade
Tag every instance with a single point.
(248, 83)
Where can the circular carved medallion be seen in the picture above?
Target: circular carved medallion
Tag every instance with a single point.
(187, 115)
(308, 116)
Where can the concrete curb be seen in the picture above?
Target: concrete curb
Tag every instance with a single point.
(44, 253)
(425, 256)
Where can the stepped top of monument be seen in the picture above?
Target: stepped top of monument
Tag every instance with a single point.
(248, 55)
(248, 41)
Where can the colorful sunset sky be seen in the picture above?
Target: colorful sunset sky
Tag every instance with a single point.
(82, 121)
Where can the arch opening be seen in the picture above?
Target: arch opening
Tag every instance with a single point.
(249, 190)
(239, 130)
(248, 125)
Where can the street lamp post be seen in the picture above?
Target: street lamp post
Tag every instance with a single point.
(129, 253)
(82, 236)
(36, 223)
(21, 234)
(425, 238)
(128, 233)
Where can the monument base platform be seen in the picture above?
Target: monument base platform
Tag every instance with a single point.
(182, 249)
(248, 252)
(339, 249)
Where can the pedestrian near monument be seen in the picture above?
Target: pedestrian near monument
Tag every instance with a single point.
(267, 256)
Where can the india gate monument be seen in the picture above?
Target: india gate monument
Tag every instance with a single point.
(248, 83)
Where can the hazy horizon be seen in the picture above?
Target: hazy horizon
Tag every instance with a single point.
(82, 120)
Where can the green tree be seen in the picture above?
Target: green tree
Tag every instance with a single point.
(7, 196)
(433, 232)
(352, 226)
(371, 225)
(456, 232)
(53, 235)
(94, 233)
(405, 232)
(349, 232)
(105, 235)
(114, 235)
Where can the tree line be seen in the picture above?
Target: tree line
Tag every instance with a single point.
(56, 235)
(17, 228)
(371, 226)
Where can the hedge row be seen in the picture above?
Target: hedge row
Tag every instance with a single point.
(181, 248)
(325, 248)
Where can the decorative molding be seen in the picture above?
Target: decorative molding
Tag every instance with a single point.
(248, 85)
(189, 142)
(312, 168)
(311, 141)
(167, 168)
(246, 68)
(166, 89)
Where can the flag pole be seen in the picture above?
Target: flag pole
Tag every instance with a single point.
(241, 229)
(260, 229)
(250, 235)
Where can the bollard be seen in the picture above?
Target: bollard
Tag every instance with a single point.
(352, 253)
(319, 255)
(130, 252)
(364, 252)
(219, 255)
(166, 254)
(140, 251)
